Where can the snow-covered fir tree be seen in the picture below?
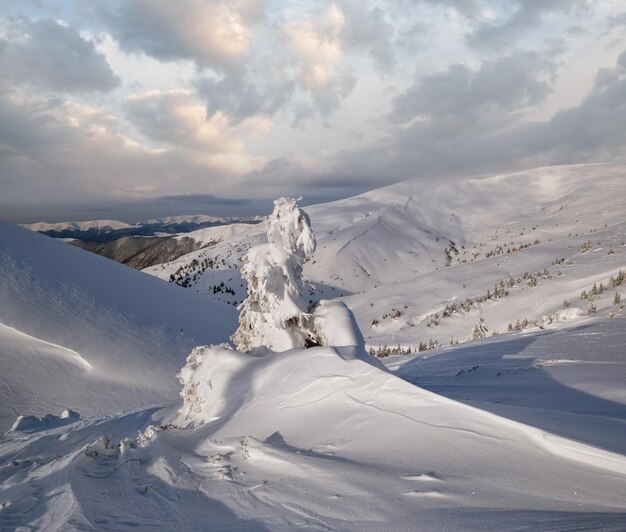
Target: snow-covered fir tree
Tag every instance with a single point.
(275, 316)
(480, 330)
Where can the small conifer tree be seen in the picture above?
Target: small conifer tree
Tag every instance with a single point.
(275, 314)
(480, 330)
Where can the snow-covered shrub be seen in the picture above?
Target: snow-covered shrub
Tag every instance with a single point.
(275, 316)
(206, 380)
(564, 314)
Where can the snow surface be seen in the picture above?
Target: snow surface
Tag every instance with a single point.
(524, 430)
(81, 331)
(212, 235)
(320, 438)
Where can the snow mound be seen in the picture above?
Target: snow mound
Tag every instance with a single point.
(211, 374)
(335, 324)
(217, 380)
(33, 423)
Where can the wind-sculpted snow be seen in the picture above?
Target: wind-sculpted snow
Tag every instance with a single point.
(314, 438)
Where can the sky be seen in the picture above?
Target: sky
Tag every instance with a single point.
(133, 109)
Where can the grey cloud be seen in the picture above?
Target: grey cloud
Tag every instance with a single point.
(55, 157)
(527, 15)
(141, 210)
(241, 97)
(460, 98)
(155, 116)
(369, 29)
(177, 118)
(177, 204)
(617, 21)
(329, 98)
(284, 176)
(211, 34)
(593, 131)
(51, 56)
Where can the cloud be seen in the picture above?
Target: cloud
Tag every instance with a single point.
(213, 34)
(461, 98)
(56, 152)
(157, 207)
(369, 30)
(243, 95)
(310, 56)
(525, 15)
(244, 72)
(616, 21)
(316, 45)
(178, 119)
(51, 56)
(244, 78)
(594, 130)
(498, 26)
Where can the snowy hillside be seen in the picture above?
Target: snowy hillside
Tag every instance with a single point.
(84, 332)
(422, 264)
(144, 251)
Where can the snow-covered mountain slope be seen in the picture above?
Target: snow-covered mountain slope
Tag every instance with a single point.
(403, 231)
(108, 230)
(213, 235)
(320, 438)
(100, 225)
(197, 219)
(420, 263)
(141, 252)
(80, 331)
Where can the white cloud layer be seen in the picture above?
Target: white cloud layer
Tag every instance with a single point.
(132, 100)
